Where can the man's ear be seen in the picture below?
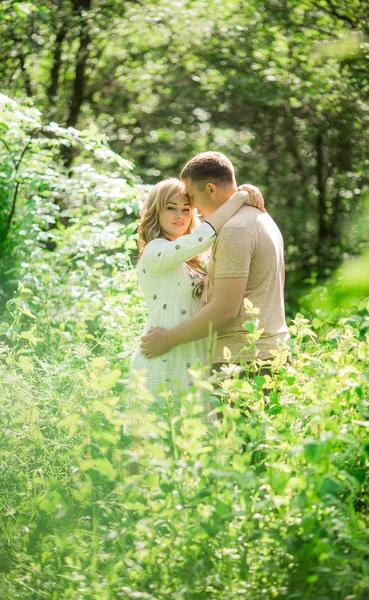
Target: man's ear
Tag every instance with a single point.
(212, 189)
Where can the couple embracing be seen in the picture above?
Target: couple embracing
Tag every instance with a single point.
(185, 304)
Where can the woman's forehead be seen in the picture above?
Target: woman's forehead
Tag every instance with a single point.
(180, 199)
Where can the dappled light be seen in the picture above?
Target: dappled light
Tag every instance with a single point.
(252, 482)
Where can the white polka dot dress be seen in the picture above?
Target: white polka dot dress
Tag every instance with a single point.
(172, 293)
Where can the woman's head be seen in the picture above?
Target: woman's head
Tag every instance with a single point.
(167, 212)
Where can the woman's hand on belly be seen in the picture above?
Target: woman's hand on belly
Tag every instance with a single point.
(156, 342)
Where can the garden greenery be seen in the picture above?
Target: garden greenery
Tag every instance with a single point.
(100, 502)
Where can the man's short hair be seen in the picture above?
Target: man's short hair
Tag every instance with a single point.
(209, 167)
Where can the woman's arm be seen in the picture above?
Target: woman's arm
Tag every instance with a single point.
(161, 255)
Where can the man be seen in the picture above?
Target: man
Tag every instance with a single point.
(247, 262)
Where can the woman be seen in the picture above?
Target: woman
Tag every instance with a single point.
(171, 277)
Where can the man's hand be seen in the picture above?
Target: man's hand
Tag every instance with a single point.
(255, 195)
(156, 342)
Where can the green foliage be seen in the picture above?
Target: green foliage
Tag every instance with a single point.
(102, 496)
(44, 205)
(106, 492)
(279, 86)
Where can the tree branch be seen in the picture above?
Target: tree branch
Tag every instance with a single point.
(12, 210)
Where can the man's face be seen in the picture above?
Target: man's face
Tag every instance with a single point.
(201, 198)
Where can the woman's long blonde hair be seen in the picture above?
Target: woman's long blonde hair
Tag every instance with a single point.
(158, 199)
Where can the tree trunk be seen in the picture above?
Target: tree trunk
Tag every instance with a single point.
(53, 88)
(80, 75)
(27, 81)
(79, 83)
(323, 225)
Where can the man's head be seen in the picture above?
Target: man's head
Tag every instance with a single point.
(209, 180)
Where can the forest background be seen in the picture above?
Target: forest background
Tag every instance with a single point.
(100, 100)
(281, 87)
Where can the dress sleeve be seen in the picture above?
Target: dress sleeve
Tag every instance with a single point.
(162, 255)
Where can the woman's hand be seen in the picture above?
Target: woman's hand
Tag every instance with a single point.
(246, 194)
(156, 342)
(256, 198)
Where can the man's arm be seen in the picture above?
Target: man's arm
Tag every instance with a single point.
(222, 310)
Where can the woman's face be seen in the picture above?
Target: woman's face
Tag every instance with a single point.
(175, 219)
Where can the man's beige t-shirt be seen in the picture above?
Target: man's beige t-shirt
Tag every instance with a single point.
(250, 245)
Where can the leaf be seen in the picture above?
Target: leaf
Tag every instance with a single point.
(110, 379)
(156, 451)
(87, 464)
(250, 308)
(206, 385)
(227, 354)
(362, 423)
(238, 463)
(330, 486)
(124, 354)
(30, 337)
(134, 506)
(105, 468)
(102, 465)
(106, 410)
(106, 438)
(27, 312)
(259, 381)
(131, 245)
(24, 9)
(250, 326)
(311, 449)
(99, 362)
(25, 362)
(70, 420)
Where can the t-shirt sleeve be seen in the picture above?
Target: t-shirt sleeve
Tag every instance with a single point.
(233, 252)
(161, 255)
